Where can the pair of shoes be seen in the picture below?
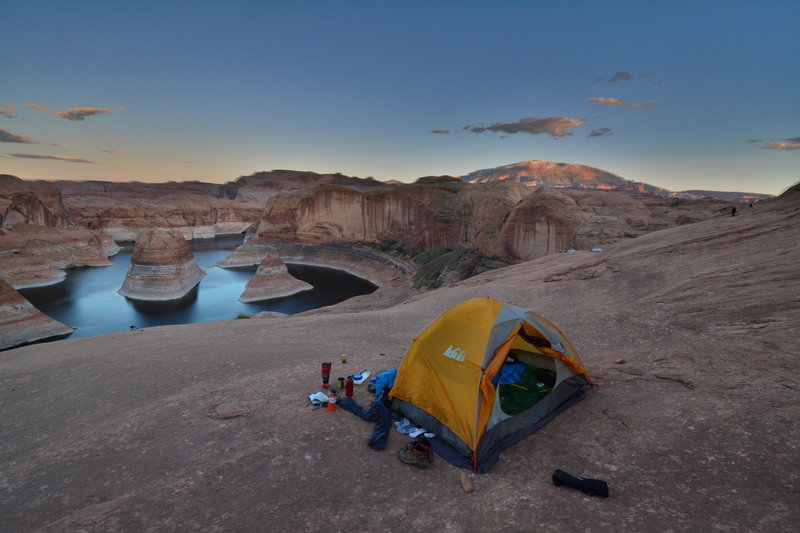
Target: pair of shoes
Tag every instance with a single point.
(418, 453)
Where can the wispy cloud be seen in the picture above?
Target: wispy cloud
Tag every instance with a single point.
(616, 102)
(77, 114)
(7, 110)
(35, 107)
(755, 141)
(8, 137)
(115, 152)
(55, 157)
(554, 126)
(791, 143)
(439, 131)
(620, 76)
(600, 132)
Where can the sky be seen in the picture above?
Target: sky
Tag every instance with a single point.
(679, 94)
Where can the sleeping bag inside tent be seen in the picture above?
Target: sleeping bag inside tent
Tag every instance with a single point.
(483, 376)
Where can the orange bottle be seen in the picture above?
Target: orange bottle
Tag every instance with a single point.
(333, 396)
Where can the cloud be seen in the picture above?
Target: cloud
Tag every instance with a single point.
(554, 126)
(77, 114)
(115, 152)
(658, 84)
(600, 132)
(615, 102)
(8, 110)
(620, 76)
(8, 137)
(439, 131)
(792, 143)
(755, 140)
(599, 100)
(35, 107)
(55, 157)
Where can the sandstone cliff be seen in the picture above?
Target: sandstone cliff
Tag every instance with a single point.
(195, 209)
(21, 322)
(162, 267)
(272, 280)
(500, 218)
(122, 210)
(37, 238)
(36, 203)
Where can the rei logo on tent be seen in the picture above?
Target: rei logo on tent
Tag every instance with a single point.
(454, 353)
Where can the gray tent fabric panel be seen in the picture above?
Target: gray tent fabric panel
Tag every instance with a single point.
(508, 318)
(426, 420)
(525, 420)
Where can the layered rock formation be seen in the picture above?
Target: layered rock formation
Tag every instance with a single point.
(162, 267)
(272, 280)
(122, 210)
(37, 238)
(500, 218)
(195, 209)
(21, 322)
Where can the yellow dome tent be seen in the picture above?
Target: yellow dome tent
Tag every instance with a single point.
(451, 380)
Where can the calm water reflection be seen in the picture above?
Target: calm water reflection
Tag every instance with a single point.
(88, 297)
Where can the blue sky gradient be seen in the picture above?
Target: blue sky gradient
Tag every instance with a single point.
(706, 93)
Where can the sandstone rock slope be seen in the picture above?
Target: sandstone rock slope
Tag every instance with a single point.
(21, 322)
(162, 267)
(272, 280)
(690, 334)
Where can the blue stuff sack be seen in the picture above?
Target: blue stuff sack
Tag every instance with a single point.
(384, 380)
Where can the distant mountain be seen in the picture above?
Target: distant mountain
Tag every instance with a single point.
(569, 176)
(741, 197)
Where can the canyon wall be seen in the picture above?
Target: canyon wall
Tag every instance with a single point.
(500, 218)
(38, 240)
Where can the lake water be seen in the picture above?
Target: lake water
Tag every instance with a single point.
(88, 297)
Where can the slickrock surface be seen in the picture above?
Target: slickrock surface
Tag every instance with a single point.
(272, 280)
(690, 334)
(21, 322)
(162, 267)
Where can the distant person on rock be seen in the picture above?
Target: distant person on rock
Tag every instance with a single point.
(733, 210)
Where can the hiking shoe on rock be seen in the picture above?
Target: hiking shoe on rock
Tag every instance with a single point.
(417, 453)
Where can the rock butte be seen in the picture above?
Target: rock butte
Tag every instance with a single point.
(690, 334)
(272, 280)
(162, 267)
(21, 322)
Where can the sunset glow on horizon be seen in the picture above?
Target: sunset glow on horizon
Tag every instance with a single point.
(682, 95)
